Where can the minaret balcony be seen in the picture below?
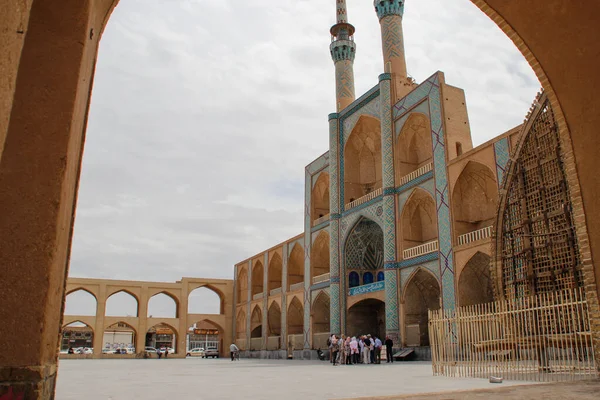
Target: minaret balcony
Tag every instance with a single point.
(342, 49)
(389, 7)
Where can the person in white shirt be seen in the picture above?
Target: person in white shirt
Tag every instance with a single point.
(233, 349)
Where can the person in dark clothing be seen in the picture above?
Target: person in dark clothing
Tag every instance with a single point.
(388, 349)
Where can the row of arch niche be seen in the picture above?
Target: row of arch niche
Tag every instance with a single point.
(357, 278)
(119, 335)
(295, 320)
(123, 304)
(206, 335)
(295, 273)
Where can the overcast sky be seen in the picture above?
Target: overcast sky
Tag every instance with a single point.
(204, 114)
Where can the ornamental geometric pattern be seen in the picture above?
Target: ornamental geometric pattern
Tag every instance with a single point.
(502, 153)
(371, 108)
(364, 246)
(392, 37)
(391, 301)
(344, 78)
(430, 89)
(370, 212)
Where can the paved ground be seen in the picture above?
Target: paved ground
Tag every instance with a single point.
(249, 379)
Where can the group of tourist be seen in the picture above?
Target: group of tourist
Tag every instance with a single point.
(364, 349)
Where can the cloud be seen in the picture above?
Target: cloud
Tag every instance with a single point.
(204, 114)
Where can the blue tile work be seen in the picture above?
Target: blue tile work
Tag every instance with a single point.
(418, 260)
(308, 179)
(318, 164)
(430, 89)
(502, 152)
(320, 285)
(314, 234)
(370, 109)
(317, 292)
(415, 182)
(334, 224)
(392, 325)
(353, 210)
(319, 227)
(371, 287)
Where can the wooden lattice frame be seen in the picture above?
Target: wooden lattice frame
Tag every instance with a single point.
(535, 247)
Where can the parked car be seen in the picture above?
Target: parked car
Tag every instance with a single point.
(88, 350)
(107, 350)
(197, 352)
(148, 349)
(214, 353)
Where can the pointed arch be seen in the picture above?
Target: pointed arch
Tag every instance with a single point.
(474, 282)
(122, 303)
(295, 317)
(275, 272)
(256, 322)
(258, 272)
(242, 286)
(363, 249)
(320, 197)
(162, 334)
(421, 293)
(319, 255)
(413, 147)
(163, 305)
(296, 265)
(119, 335)
(362, 159)
(474, 198)
(76, 334)
(240, 324)
(81, 302)
(320, 311)
(418, 219)
(274, 320)
(205, 300)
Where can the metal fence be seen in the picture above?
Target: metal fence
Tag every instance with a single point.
(539, 338)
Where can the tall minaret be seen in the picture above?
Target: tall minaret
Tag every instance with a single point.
(343, 50)
(390, 18)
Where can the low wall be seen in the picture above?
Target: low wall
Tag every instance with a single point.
(111, 356)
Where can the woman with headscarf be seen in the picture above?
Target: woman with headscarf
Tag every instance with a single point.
(354, 349)
(335, 346)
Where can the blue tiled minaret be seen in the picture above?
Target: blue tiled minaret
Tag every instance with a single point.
(343, 50)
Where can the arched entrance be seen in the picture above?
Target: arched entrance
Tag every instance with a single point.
(422, 293)
(320, 320)
(207, 335)
(364, 253)
(367, 317)
(296, 268)
(242, 286)
(474, 283)
(256, 323)
(419, 221)
(257, 278)
(119, 335)
(162, 336)
(77, 336)
(274, 327)
(295, 325)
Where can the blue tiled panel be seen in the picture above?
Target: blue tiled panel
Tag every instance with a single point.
(372, 287)
(502, 152)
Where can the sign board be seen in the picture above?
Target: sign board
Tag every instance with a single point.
(206, 331)
(164, 331)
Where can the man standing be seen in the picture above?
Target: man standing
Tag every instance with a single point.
(378, 345)
(367, 350)
(233, 349)
(388, 349)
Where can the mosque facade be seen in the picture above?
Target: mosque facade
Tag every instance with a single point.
(398, 214)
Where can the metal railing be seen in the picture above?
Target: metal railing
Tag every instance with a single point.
(538, 338)
(365, 198)
(415, 174)
(320, 278)
(320, 220)
(417, 251)
(275, 291)
(296, 286)
(474, 236)
(258, 296)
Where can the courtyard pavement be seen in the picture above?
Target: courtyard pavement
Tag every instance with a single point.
(210, 379)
